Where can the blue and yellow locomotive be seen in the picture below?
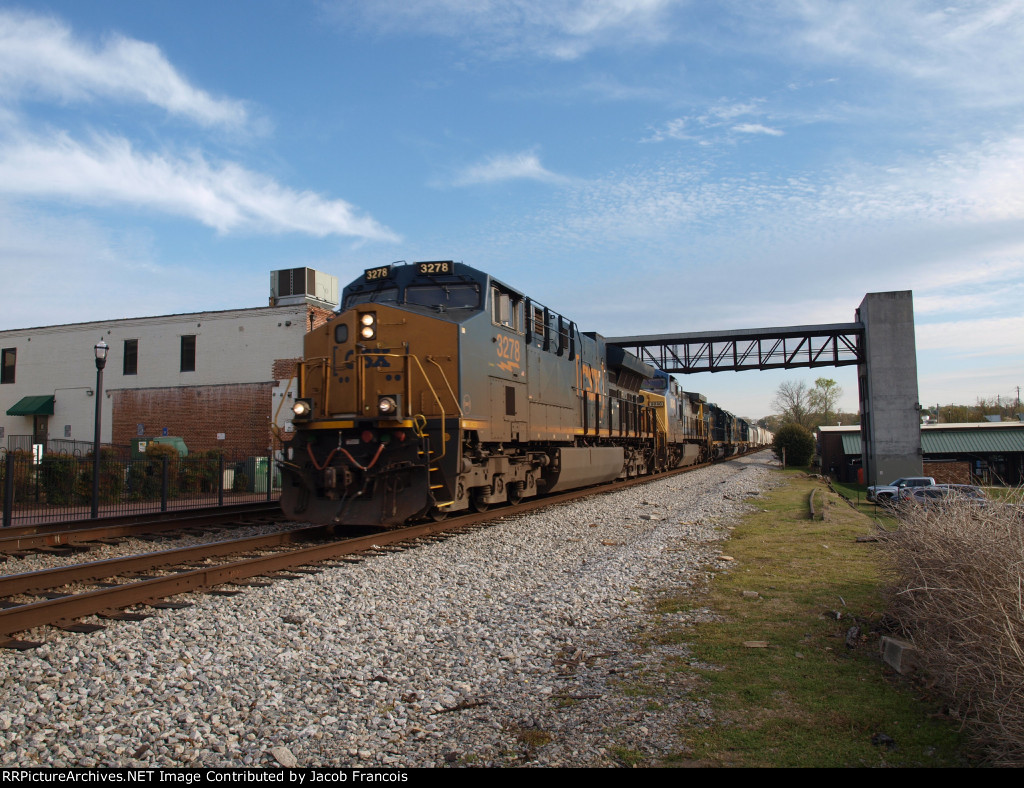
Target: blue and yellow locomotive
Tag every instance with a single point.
(438, 388)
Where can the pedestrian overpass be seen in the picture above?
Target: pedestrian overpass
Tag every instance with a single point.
(880, 341)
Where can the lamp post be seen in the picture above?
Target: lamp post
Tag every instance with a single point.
(101, 361)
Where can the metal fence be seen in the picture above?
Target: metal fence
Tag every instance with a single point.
(59, 486)
(27, 443)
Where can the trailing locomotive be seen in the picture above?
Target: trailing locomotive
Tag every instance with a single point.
(438, 388)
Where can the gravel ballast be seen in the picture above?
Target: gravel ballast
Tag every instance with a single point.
(502, 646)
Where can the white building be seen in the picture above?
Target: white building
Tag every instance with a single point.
(216, 379)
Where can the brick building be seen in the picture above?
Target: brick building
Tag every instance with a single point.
(217, 379)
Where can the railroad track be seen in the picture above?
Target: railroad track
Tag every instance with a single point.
(79, 533)
(188, 569)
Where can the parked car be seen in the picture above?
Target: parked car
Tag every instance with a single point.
(910, 497)
(968, 493)
(888, 492)
(940, 494)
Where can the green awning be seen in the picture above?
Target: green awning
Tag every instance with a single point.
(41, 405)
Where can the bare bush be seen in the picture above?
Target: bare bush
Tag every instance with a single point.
(959, 596)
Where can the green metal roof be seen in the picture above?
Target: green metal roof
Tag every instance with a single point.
(1001, 440)
(41, 405)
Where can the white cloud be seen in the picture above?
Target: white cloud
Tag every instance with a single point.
(675, 129)
(948, 226)
(963, 186)
(40, 56)
(717, 119)
(757, 128)
(972, 49)
(973, 338)
(505, 167)
(559, 29)
(42, 60)
(938, 383)
(730, 111)
(227, 197)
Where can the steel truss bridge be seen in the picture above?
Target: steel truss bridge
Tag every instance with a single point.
(833, 345)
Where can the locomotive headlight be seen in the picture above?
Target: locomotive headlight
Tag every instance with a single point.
(368, 325)
(387, 407)
(302, 408)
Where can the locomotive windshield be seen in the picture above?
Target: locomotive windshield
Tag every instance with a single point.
(656, 384)
(381, 295)
(454, 296)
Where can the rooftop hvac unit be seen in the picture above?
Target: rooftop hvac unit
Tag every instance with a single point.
(303, 285)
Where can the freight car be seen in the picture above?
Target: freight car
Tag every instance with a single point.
(438, 388)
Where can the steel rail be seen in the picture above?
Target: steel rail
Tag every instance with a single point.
(61, 535)
(63, 610)
(107, 600)
(142, 518)
(49, 579)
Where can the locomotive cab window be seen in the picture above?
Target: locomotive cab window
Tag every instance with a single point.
(506, 309)
(380, 295)
(456, 296)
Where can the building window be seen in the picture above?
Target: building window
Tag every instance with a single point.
(188, 353)
(131, 357)
(10, 354)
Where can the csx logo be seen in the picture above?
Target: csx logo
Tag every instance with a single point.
(590, 378)
(370, 360)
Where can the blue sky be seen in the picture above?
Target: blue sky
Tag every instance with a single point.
(643, 166)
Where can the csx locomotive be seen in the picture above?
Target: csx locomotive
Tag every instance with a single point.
(437, 388)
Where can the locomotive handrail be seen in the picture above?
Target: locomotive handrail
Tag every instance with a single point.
(444, 377)
(304, 367)
(274, 429)
(405, 357)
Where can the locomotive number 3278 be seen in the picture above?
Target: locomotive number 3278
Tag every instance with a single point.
(508, 348)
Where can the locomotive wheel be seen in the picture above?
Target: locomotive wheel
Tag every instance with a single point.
(476, 502)
(515, 493)
(437, 515)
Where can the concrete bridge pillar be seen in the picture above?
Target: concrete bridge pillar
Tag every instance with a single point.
(890, 410)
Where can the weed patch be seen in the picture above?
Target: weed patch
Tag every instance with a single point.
(957, 594)
(790, 659)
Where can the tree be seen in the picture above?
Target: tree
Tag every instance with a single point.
(792, 401)
(824, 398)
(796, 443)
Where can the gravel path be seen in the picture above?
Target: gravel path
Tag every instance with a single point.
(504, 646)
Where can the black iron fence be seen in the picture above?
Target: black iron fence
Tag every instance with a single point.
(28, 443)
(59, 486)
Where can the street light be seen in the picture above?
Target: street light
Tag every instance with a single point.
(101, 349)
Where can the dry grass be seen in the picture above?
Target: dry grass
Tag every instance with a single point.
(959, 596)
(813, 697)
